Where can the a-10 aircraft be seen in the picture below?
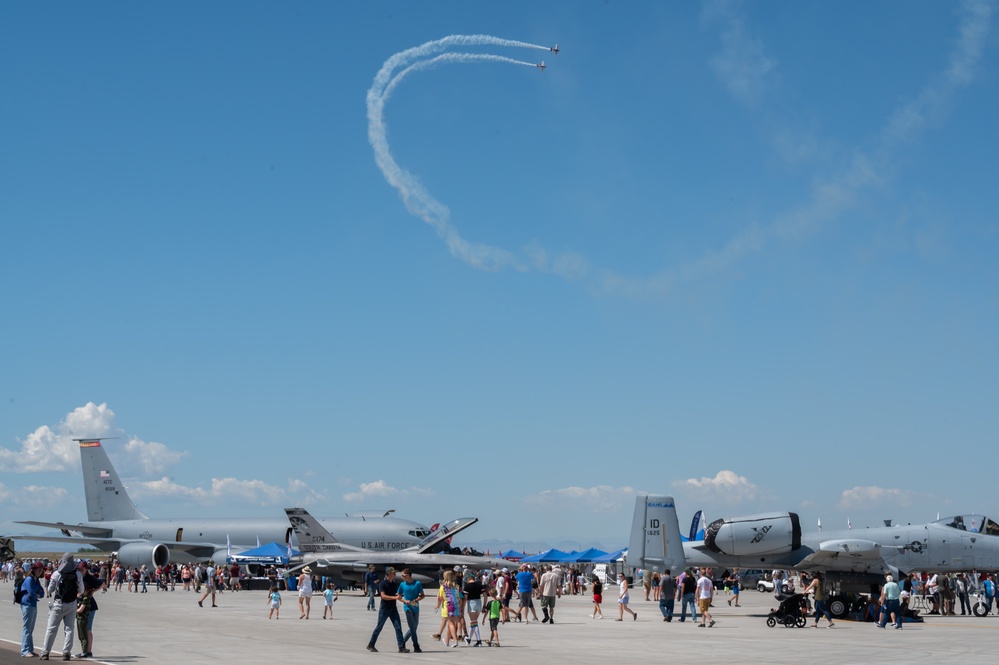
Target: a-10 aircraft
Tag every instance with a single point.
(325, 555)
(850, 560)
(114, 523)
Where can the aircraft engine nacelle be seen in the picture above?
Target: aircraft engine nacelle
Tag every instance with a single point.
(221, 556)
(144, 554)
(767, 533)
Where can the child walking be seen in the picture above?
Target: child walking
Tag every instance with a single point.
(493, 608)
(274, 598)
(331, 594)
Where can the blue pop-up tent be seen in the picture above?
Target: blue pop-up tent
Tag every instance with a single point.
(271, 553)
(610, 557)
(551, 556)
(512, 555)
(588, 556)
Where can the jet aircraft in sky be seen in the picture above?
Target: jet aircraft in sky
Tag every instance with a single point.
(542, 66)
(326, 555)
(850, 560)
(114, 523)
(555, 50)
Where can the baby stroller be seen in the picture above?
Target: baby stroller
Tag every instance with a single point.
(792, 611)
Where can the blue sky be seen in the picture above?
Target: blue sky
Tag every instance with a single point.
(743, 253)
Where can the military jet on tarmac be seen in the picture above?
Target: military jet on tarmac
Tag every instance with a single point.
(850, 560)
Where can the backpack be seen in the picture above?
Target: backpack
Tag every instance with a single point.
(19, 593)
(68, 587)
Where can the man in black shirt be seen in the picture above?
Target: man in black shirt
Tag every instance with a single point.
(387, 611)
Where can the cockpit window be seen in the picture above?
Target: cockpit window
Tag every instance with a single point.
(971, 524)
(420, 533)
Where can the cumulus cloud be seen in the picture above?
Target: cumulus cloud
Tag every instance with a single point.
(379, 489)
(53, 448)
(256, 492)
(599, 499)
(865, 497)
(726, 487)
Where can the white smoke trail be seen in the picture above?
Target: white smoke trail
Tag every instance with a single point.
(415, 197)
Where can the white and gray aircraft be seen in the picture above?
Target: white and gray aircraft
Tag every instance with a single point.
(850, 560)
(114, 523)
(326, 555)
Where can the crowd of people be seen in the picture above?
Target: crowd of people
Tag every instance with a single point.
(464, 599)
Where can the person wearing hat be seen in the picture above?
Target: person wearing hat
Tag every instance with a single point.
(388, 611)
(305, 593)
(64, 586)
(32, 590)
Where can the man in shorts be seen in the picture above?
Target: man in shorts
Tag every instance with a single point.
(551, 588)
(705, 592)
(525, 588)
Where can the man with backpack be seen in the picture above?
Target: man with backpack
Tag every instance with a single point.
(65, 585)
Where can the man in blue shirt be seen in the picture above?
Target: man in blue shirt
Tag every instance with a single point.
(33, 590)
(525, 587)
(412, 593)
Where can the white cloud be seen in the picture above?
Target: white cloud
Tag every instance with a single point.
(152, 457)
(726, 487)
(379, 489)
(255, 492)
(32, 496)
(599, 499)
(53, 449)
(743, 65)
(867, 497)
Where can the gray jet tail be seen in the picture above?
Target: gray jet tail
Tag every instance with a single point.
(655, 542)
(313, 536)
(107, 499)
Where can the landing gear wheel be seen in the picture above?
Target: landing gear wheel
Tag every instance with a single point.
(789, 621)
(801, 622)
(771, 622)
(980, 609)
(839, 607)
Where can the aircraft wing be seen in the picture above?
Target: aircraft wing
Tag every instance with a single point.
(848, 554)
(435, 542)
(197, 550)
(65, 528)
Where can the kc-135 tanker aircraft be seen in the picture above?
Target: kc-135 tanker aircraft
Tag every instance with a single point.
(114, 523)
(850, 560)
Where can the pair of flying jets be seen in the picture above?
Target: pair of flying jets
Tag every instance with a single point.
(543, 66)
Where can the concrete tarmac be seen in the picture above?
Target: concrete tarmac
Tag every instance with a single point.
(169, 627)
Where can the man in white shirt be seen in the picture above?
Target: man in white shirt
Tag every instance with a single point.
(705, 592)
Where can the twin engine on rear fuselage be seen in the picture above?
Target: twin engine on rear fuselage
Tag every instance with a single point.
(766, 533)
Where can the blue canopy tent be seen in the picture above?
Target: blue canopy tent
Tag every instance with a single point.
(271, 553)
(587, 556)
(512, 555)
(551, 556)
(610, 557)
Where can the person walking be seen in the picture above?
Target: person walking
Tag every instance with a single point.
(371, 586)
(305, 593)
(31, 590)
(210, 584)
(64, 586)
(686, 590)
(667, 594)
(412, 593)
(705, 592)
(598, 597)
(818, 589)
(387, 611)
(890, 594)
(623, 599)
(550, 588)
